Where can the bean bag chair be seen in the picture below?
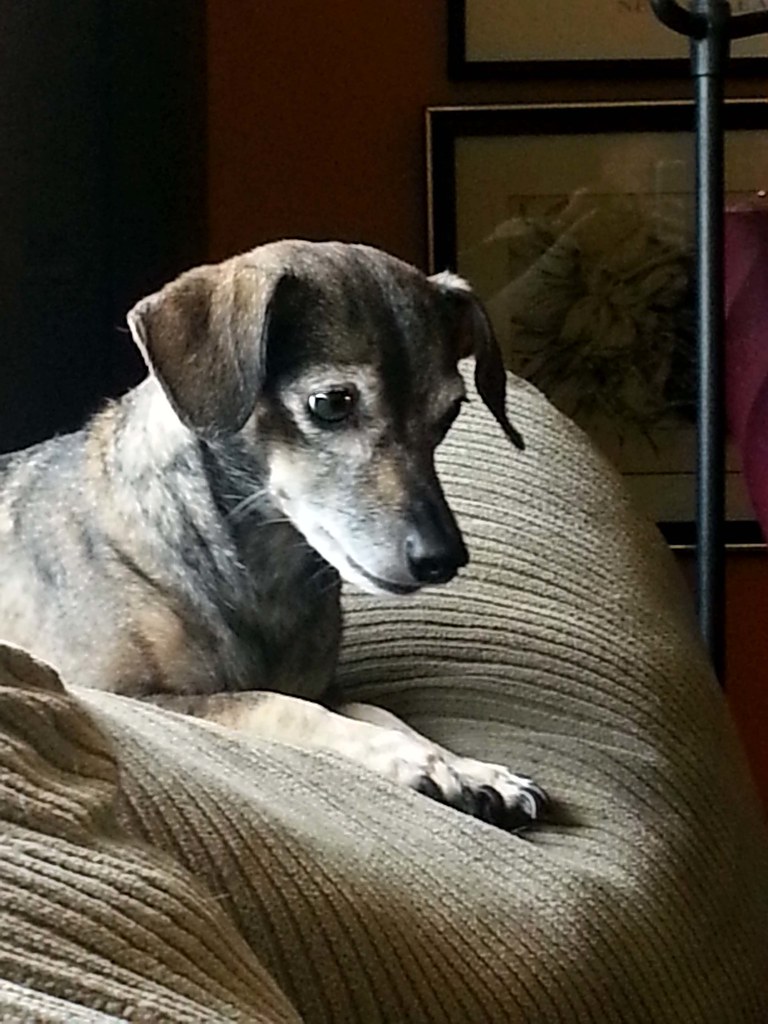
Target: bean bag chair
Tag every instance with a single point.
(154, 868)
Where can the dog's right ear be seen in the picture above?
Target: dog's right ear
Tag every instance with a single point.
(473, 335)
(204, 336)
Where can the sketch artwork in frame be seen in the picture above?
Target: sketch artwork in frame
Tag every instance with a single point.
(575, 226)
(496, 39)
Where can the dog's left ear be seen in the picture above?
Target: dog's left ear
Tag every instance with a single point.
(471, 328)
(204, 336)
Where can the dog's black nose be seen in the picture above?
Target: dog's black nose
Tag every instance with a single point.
(434, 547)
(434, 559)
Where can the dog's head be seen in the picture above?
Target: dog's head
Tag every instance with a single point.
(337, 365)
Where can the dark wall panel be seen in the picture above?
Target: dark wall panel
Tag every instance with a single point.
(101, 193)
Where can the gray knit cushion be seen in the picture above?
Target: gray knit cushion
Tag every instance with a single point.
(156, 869)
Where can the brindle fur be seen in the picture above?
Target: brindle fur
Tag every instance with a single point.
(187, 542)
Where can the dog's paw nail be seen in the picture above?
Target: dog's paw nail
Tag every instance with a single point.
(489, 805)
(428, 787)
(466, 801)
(534, 799)
(531, 805)
(519, 818)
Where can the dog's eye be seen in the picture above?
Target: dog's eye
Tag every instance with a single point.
(332, 405)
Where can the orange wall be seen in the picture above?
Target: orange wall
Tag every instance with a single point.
(747, 657)
(316, 130)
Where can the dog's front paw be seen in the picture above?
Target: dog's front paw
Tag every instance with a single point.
(487, 791)
(491, 792)
(500, 797)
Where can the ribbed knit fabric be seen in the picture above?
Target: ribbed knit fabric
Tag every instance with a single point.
(156, 869)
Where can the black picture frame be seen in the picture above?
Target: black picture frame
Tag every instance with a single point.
(445, 126)
(462, 68)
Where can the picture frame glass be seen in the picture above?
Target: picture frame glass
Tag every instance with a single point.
(497, 31)
(581, 247)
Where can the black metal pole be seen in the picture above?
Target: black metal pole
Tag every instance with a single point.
(708, 57)
(710, 28)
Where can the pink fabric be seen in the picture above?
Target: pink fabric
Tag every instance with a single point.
(746, 336)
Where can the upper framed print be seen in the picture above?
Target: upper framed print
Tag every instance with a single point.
(575, 226)
(496, 39)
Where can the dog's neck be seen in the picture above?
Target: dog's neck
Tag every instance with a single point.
(159, 445)
(195, 521)
(213, 490)
(156, 434)
(191, 528)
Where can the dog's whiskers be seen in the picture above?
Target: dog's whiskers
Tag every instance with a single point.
(343, 512)
(245, 505)
(273, 521)
(250, 503)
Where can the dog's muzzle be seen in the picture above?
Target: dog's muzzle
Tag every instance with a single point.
(434, 547)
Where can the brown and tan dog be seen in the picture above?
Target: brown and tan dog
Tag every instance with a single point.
(187, 545)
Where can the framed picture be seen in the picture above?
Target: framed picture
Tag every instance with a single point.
(495, 39)
(575, 226)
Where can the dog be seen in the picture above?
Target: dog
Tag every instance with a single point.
(187, 546)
